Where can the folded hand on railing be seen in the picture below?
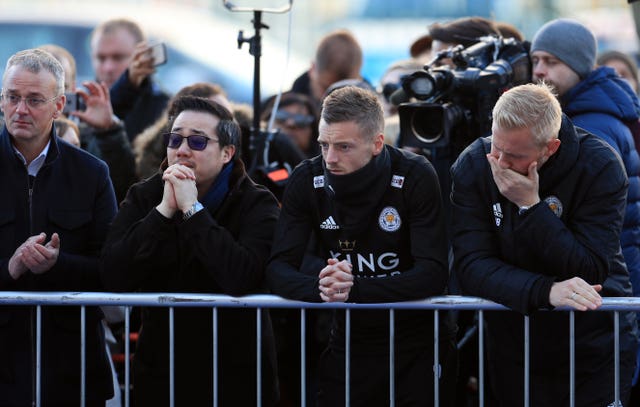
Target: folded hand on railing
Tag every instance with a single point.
(575, 293)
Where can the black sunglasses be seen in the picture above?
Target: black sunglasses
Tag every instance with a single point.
(195, 142)
(299, 120)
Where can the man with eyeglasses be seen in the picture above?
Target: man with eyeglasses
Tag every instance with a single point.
(363, 223)
(199, 226)
(57, 202)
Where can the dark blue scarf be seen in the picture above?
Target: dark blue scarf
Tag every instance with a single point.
(218, 191)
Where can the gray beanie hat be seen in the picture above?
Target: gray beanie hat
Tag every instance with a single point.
(570, 42)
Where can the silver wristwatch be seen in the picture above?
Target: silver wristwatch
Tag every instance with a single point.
(192, 211)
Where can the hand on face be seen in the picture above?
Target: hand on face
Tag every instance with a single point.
(335, 281)
(520, 189)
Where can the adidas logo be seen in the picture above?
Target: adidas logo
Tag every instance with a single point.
(329, 223)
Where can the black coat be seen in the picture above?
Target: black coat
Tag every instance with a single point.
(514, 259)
(72, 196)
(222, 252)
(403, 261)
(138, 107)
(113, 147)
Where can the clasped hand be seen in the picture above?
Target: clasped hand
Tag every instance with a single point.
(180, 191)
(336, 280)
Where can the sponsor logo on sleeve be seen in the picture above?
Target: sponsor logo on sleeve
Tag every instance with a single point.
(397, 181)
(318, 181)
(497, 213)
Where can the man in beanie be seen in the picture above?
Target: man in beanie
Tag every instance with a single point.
(563, 54)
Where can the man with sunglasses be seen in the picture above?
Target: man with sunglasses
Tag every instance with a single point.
(363, 223)
(57, 202)
(200, 226)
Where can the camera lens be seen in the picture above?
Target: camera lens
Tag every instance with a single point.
(426, 124)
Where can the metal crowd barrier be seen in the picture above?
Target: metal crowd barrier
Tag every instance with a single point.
(260, 302)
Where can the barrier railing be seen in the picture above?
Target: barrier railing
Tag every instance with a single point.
(260, 302)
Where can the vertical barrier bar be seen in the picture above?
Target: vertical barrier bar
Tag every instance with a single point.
(392, 378)
(127, 353)
(303, 358)
(347, 356)
(215, 357)
(526, 360)
(38, 355)
(572, 359)
(171, 360)
(83, 355)
(436, 359)
(258, 357)
(616, 357)
(481, 357)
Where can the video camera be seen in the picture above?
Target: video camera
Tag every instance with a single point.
(455, 103)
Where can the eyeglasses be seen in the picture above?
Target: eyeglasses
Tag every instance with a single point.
(299, 120)
(195, 142)
(32, 102)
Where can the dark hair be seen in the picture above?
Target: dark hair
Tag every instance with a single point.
(465, 30)
(227, 130)
(201, 89)
(508, 30)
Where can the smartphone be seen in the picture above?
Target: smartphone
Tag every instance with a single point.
(74, 102)
(158, 52)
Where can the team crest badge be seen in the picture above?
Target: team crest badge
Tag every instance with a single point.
(389, 219)
(554, 204)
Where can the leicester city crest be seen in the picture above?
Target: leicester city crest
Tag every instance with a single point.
(389, 219)
(554, 204)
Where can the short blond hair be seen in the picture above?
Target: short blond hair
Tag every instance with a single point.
(531, 106)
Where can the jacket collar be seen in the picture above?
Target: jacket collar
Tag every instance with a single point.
(7, 146)
(564, 159)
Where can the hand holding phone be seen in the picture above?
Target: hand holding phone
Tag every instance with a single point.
(74, 102)
(158, 52)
